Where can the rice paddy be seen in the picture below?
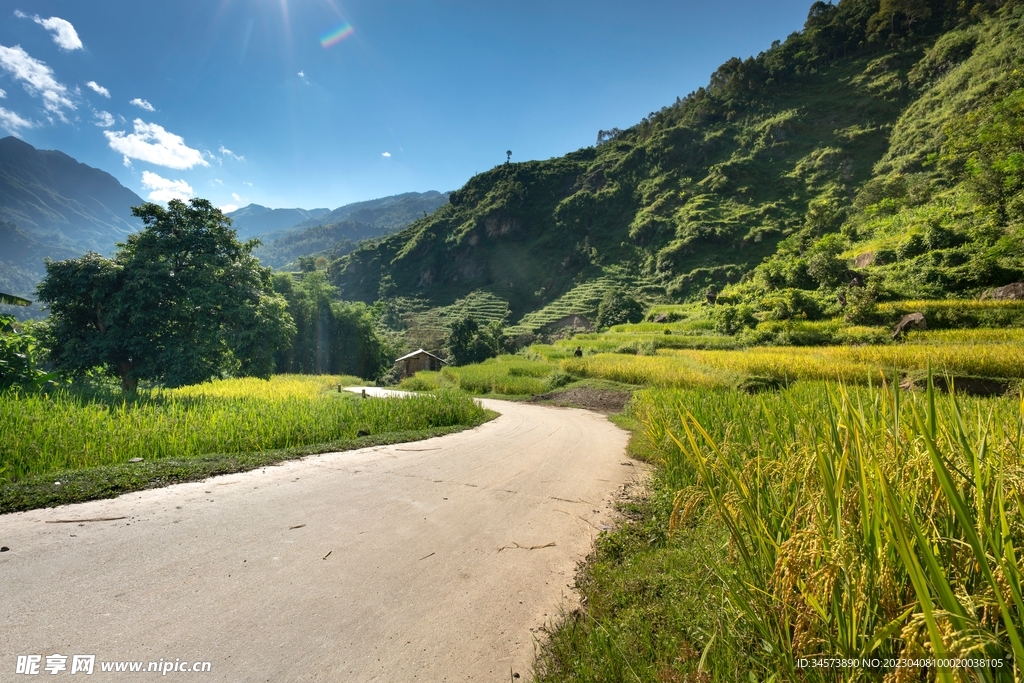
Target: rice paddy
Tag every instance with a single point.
(505, 375)
(46, 432)
(851, 364)
(862, 523)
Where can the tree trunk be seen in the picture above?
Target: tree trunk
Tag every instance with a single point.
(129, 383)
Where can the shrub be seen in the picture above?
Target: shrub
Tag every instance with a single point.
(617, 308)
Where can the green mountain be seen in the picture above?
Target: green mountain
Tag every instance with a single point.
(53, 206)
(886, 133)
(339, 231)
(58, 200)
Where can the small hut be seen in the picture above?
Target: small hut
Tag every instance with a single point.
(411, 363)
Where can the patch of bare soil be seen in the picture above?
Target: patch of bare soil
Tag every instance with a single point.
(600, 400)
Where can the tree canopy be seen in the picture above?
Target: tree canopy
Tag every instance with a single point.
(180, 302)
(617, 308)
(468, 342)
(332, 337)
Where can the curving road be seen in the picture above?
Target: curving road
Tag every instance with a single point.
(429, 561)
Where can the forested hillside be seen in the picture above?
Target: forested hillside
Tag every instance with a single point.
(885, 139)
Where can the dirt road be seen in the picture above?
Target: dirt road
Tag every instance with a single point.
(429, 561)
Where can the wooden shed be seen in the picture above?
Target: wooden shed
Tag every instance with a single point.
(411, 363)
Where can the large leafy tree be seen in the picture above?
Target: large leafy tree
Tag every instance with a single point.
(468, 342)
(180, 302)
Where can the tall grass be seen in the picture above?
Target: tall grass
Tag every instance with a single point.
(506, 375)
(862, 522)
(42, 433)
(851, 364)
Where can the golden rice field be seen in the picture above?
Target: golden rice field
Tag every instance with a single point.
(950, 304)
(47, 432)
(862, 523)
(851, 364)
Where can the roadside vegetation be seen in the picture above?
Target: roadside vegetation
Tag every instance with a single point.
(88, 438)
(820, 521)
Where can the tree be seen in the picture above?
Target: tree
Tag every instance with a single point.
(987, 146)
(824, 263)
(180, 302)
(332, 337)
(618, 308)
(469, 343)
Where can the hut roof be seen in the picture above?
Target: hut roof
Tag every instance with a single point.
(418, 352)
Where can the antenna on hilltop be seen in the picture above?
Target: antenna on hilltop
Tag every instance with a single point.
(508, 155)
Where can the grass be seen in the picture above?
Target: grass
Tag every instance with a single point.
(823, 520)
(60, 432)
(502, 376)
(853, 364)
(108, 481)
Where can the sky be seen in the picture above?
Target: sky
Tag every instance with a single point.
(319, 103)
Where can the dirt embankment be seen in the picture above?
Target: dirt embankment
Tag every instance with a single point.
(604, 401)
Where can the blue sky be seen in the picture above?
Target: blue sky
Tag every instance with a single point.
(239, 101)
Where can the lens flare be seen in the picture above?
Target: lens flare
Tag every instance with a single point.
(337, 35)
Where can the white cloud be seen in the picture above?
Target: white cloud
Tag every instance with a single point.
(246, 183)
(3, 93)
(217, 181)
(37, 78)
(228, 153)
(234, 195)
(127, 162)
(150, 142)
(385, 154)
(104, 119)
(302, 77)
(142, 104)
(164, 190)
(228, 208)
(12, 122)
(96, 87)
(64, 34)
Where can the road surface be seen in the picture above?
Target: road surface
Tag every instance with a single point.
(437, 560)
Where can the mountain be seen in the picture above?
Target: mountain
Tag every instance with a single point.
(53, 206)
(60, 201)
(255, 220)
(882, 140)
(339, 231)
(388, 213)
(334, 240)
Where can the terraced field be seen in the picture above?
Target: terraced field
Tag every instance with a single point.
(580, 300)
(429, 327)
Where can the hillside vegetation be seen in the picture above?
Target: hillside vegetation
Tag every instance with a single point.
(884, 139)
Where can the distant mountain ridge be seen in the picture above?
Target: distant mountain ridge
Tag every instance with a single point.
(339, 232)
(255, 220)
(54, 206)
(59, 200)
(389, 213)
